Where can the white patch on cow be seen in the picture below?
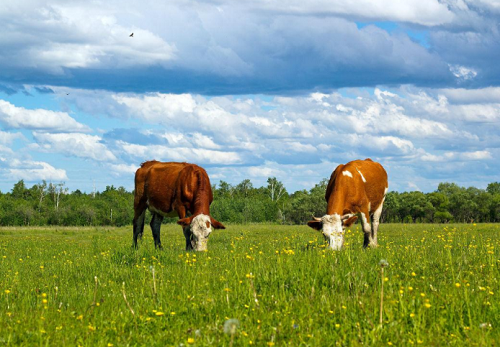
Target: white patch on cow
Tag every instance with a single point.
(363, 218)
(369, 206)
(378, 211)
(362, 177)
(347, 173)
(385, 191)
(333, 231)
(201, 228)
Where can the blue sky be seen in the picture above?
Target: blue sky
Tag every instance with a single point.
(250, 89)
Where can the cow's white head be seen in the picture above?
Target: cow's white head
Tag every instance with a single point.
(197, 229)
(333, 228)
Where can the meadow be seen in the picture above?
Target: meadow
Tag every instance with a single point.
(261, 285)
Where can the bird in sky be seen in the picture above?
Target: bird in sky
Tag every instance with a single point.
(131, 35)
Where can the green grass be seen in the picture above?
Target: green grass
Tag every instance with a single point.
(441, 287)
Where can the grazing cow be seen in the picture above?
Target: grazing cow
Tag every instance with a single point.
(170, 189)
(356, 188)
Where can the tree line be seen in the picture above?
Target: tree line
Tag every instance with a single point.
(52, 204)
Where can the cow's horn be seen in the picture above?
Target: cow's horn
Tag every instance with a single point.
(317, 219)
(347, 216)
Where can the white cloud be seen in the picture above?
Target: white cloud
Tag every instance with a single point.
(38, 119)
(477, 155)
(387, 145)
(458, 156)
(157, 107)
(298, 139)
(6, 138)
(487, 113)
(299, 147)
(462, 72)
(33, 171)
(200, 140)
(265, 171)
(74, 144)
(461, 95)
(124, 169)
(195, 155)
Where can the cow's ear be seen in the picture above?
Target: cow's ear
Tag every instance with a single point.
(350, 221)
(216, 224)
(315, 224)
(185, 221)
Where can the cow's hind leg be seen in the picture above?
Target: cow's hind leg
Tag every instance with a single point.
(367, 229)
(155, 228)
(138, 225)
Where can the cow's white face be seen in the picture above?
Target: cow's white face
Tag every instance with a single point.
(201, 228)
(333, 231)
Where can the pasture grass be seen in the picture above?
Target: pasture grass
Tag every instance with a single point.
(66, 286)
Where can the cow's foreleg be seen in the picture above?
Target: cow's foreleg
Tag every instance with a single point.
(375, 224)
(188, 235)
(155, 228)
(138, 225)
(367, 229)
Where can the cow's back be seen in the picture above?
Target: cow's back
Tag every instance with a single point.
(160, 185)
(372, 177)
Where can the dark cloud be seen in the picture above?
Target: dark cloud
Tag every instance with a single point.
(229, 52)
(10, 89)
(44, 90)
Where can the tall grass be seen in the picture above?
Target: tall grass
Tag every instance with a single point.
(87, 286)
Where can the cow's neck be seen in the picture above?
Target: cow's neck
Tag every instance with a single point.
(200, 205)
(336, 203)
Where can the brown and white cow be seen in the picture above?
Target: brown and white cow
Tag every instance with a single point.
(356, 188)
(170, 189)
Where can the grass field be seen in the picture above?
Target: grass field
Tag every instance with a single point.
(257, 285)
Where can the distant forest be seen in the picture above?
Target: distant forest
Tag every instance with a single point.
(52, 204)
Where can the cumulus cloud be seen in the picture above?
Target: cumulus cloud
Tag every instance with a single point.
(299, 139)
(124, 169)
(34, 171)
(454, 156)
(40, 119)
(195, 155)
(6, 138)
(75, 145)
(389, 122)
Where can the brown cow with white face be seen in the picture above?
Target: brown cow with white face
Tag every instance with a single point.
(356, 188)
(169, 189)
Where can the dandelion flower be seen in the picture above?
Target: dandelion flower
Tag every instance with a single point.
(231, 325)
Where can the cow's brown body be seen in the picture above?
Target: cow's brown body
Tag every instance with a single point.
(356, 188)
(169, 189)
